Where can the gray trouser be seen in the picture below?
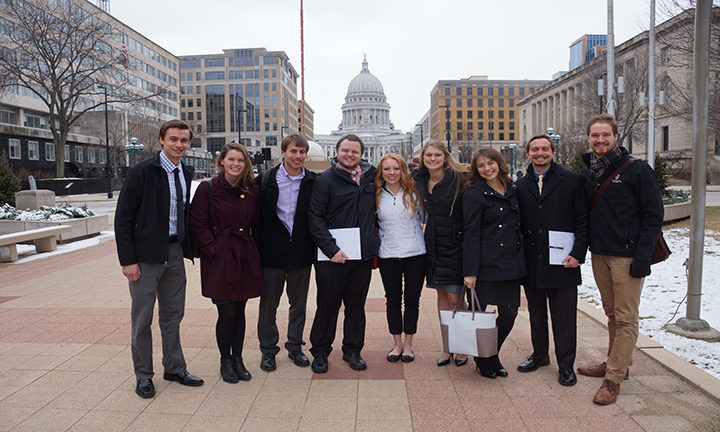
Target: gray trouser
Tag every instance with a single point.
(166, 282)
(298, 280)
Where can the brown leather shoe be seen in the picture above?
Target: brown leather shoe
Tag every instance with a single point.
(607, 394)
(598, 370)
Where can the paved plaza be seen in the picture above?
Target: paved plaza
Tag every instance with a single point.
(65, 365)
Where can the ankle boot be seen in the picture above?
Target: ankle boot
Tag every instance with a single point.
(227, 371)
(242, 373)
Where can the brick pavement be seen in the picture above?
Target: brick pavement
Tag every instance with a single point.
(65, 365)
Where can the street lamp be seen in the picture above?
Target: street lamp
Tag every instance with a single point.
(238, 124)
(134, 148)
(447, 125)
(107, 145)
(553, 136)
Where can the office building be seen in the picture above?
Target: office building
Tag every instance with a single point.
(586, 48)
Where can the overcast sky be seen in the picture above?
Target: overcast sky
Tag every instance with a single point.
(410, 45)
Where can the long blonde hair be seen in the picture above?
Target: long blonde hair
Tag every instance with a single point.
(449, 163)
(409, 187)
(246, 177)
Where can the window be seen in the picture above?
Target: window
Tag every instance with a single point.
(91, 155)
(270, 140)
(490, 91)
(182, 103)
(468, 103)
(459, 125)
(49, 151)
(215, 76)
(511, 91)
(511, 114)
(469, 91)
(266, 87)
(501, 136)
(198, 115)
(469, 114)
(191, 116)
(33, 150)
(490, 103)
(274, 99)
(480, 91)
(522, 91)
(666, 138)
(67, 153)
(458, 114)
(491, 114)
(501, 103)
(216, 62)
(491, 125)
(8, 115)
(15, 152)
(480, 103)
(511, 102)
(34, 121)
(458, 103)
(458, 91)
(501, 91)
(267, 127)
(512, 125)
(665, 54)
(470, 125)
(447, 91)
(480, 114)
(501, 114)
(190, 103)
(102, 156)
(481, 125)
(197, 103)
(78, 154)
(512, 136)
(501, 125)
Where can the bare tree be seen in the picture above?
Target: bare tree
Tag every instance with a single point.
(57, 51)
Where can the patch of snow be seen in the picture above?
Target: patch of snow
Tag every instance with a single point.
(61, 249)
(664, 292)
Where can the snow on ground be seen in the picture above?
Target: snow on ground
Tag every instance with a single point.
(665, 289)
(61, 248)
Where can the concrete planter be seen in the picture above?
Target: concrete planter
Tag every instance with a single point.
(677, 211)
(81, 227)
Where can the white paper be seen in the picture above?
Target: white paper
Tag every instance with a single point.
(347, 239)
(561, 244)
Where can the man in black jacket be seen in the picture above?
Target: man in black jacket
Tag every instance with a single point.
(286, 249)
(343, 197)
(151, 221)
(552, 198)
(625, 222)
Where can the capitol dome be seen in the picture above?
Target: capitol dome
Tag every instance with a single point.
(365, 83)
(365, 108)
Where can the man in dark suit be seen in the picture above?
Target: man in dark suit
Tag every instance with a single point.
(286, 248)
(552, 198)
(152, 237)
(343, 197)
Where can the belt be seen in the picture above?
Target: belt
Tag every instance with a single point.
(173, 238)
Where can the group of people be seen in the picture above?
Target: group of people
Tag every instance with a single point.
(445, 225)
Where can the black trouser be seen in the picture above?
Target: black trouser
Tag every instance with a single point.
(392, 271)
(340, 284)
(505, 320)
(230, 328)
(563, 312)
(298, 280)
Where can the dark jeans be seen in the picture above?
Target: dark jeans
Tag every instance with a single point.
(339, 284)
(392, 271)
(563, 312)
(298, 280)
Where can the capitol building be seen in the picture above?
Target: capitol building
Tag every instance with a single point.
(366, 114)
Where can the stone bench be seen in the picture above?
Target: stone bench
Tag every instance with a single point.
(44, 239)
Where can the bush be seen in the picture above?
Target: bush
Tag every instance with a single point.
(661, 174)
(576, 163)
(9, 183)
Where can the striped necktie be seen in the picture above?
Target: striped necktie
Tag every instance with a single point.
(540, 179)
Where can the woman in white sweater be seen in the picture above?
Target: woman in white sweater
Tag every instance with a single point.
(402, 250)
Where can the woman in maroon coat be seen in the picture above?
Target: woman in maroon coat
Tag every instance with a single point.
(224, 231)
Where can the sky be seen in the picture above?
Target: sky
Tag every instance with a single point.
(410, 45)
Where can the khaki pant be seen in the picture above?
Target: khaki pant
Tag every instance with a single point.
(620, 294)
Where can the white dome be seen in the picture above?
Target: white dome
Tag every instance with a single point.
(365, 83)
(315, 152)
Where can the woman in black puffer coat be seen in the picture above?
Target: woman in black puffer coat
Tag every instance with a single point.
(440, 182)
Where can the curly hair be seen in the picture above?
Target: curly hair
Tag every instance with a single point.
(407, 182)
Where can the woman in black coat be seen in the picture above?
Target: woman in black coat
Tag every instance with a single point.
(493, 260)
(440, 182)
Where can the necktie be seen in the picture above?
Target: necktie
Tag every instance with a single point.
(540, 178)
(356, 175)
(180, 206)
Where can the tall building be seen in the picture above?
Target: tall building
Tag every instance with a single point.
(250, 92)
(586, 48)
(148, 70)
(366, 114)
(309, 121)
(478, 111)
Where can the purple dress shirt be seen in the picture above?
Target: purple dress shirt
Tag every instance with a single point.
(289, 188)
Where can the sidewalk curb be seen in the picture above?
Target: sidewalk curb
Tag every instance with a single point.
(704, 382)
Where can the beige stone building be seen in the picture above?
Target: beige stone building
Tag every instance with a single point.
(567, 102)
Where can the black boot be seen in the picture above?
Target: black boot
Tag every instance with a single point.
(242, 373)
(498, 368)
(485, 367)
(227, 371)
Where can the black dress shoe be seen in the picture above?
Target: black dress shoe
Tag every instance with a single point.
(459, 362)
(319, 364)
(498, 368)
(533, 363)
(145, 388)
(242, 373)
(227, 371)
(355, 361)
(567, 377)
(268, 363)
(445, 362)
(299, 358)
(185, 378)
(487, 373)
